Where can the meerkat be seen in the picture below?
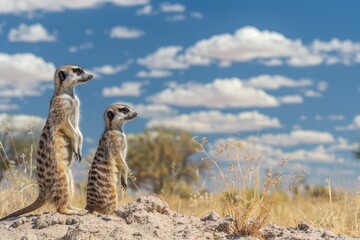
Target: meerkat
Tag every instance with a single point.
(60, 142)
(110, 157)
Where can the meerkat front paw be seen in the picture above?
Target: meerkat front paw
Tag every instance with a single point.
(77, 156)
(124, 183)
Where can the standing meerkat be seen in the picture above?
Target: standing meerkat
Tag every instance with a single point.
(60, 142)
(109, 158)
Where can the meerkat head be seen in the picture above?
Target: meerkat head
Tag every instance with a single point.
(68, 76)
(116, 115)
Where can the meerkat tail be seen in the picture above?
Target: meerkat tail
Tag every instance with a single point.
(39, 202)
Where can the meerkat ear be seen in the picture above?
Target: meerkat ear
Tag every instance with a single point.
(110, 115)
(62, 75)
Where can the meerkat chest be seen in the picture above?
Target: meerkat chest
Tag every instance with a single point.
(123, 147)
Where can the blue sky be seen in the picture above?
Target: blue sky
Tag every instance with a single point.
(282, 76)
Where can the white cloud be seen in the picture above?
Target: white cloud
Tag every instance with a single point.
(312, 93)
(6, 105)
(154, 73)
(171, 57)
(81, 47)
(172, 7)
(320, 154)
(31, 33)
(267, 150)
(24, 74)
(146, 10)
(21, 122)
(337, 117)
(272, 62)
(266, 47)
(322, 86)
(352, 126)
(132, 89)
(275, 82)
(342, 144)
(153, 110)
(89, 31)
(125, 32)
(176, 18)
(221, 93)
(21, 6)
(250, 43)
(291, 99)
(110, 69)
(217, 122)
(197, 15)
(295, 137)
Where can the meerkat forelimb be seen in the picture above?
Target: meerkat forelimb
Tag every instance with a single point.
(60, 142)
(110, 157)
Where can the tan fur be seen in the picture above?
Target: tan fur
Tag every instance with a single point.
(60, 141)
(109, 159)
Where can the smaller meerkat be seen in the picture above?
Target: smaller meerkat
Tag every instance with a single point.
(110, 157)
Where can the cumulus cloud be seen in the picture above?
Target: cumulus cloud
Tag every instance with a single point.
(146, 10)
(320, 154)
(6, 105)
(31, 33)
(125, 32)
(153, 110)
(355, 124)
(176, 18)
(263, 46)
(21, 6)
(221, 93)
(217, 122)
(172, 57)
(274, 82)
(81, 47)
(110, 69)
(336, 117)
(21, 122)
(154, 73)
(250, 43)
(343, 144)
(291, 99)
(293, 138)
(24, 74)
(312, 93)
(172, 7)
(132, 89)
(197, 15)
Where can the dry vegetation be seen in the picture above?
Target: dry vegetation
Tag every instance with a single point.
(240, 191)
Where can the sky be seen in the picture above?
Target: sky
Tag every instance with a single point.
(282, 76)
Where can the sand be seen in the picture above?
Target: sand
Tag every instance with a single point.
(146, 218)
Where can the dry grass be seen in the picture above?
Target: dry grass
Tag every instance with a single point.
(240, 192)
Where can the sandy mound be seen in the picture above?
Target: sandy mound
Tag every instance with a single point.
(146, 218)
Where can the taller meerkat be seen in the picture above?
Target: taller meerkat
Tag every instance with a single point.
(110, 157)
(60, 142)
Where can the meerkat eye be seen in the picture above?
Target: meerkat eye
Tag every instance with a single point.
(78, 71)
(123, 110)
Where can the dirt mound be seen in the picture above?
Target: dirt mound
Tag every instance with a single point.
(146, 218)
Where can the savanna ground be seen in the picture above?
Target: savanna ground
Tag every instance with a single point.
(240, 190)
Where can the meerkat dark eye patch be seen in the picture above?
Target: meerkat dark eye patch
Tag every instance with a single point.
(110, 115)
(62, 75)
(78, 71)
(124, 110)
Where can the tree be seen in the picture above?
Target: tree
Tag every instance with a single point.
(163, 159)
